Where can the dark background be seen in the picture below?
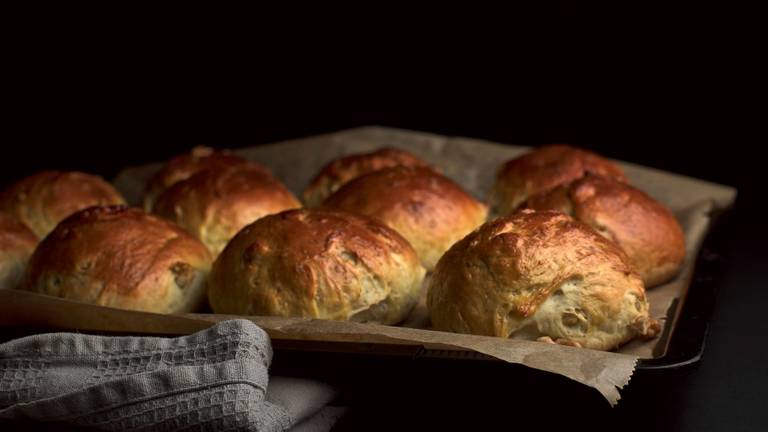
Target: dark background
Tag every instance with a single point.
(668, 96)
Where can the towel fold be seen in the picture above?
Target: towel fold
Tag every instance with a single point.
(216, 379)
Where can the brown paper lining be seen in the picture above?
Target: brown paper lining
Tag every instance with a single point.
(472, 163)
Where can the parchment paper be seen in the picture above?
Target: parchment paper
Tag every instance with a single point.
(471, 163)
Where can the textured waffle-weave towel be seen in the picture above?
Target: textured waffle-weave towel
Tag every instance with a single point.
(216, 379)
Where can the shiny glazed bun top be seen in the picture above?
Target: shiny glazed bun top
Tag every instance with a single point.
(214, 204)
(340, 171)
(428, 209)
(644, 229)
(185, 166)
(540, 275)
(320, 264)
(42, 200)
(121, 257)
(543, 169)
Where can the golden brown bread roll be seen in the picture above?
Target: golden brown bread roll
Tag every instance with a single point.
(17, 243)
(121, 257)
(214, 204)
(428, 209)
(42, 200)
(340, 171)
(185, 166)
(543, 169)
(646, 230)
(540, 275)
(317, 263)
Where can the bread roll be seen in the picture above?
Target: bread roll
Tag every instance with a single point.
(540, 275)
(124, 258)
(42, 200)
(428, 209)
(185, 166)
(17, 243)
(213, 205)
(646, 230)
(342, 170)
(320, 264)
(543, 169)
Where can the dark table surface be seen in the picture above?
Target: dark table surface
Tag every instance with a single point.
(727, 390)
(660, 115)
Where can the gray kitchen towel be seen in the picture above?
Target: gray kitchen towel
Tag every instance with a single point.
(216, 379)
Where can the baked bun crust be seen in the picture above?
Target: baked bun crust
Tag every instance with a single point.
(124, 258)
(185, 166)
(44, 199)
(17, 242)
(539, 275)
(543, 169)
(214, 204)
(428, 209)
(317, 263)
(340, 171)
(644, 229)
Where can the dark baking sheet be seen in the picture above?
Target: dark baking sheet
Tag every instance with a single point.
(303, 348)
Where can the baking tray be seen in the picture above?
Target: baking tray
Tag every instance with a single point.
(682, 342)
